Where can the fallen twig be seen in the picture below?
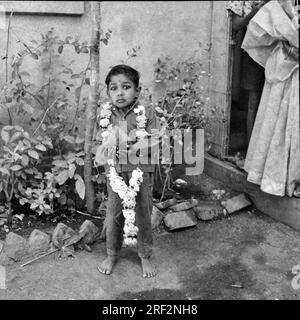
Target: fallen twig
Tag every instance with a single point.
(89, 215)
(43, 255)
(75, 239)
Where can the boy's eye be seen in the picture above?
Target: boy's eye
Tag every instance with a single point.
(126, 87)
(112, 88)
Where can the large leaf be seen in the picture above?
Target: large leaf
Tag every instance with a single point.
(40, 147)
(70, 139)
(33, 154)
(80, 187)
(62, 177)
(7, 128)
(15, 136)
(25, 160)
(5, 136)
(61, 163)
(16, 167)
(4, 171)
(72, 169)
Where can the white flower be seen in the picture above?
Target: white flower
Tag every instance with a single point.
(130, 241)
(104, 122)
(105, 113)
(105, 134)
(139, 109)
(107, 106)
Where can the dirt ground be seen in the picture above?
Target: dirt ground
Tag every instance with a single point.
(246, 256)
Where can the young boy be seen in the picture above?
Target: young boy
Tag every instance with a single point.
(123, 91)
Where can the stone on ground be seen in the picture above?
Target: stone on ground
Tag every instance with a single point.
(156, 217)
(180, 219)
(61, 233)
(165, 204)
(15, 249)
(89, 232)
(38, 242)
(209, 210)
(236, 203)
(186, 205)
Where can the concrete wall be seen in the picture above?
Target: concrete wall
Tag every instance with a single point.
(160, 28)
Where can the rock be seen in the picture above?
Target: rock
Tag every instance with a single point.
(180, 219)
(209, 210)
(156, 217)
(38, 242)
(165, 204)
(89, 232)
(15, 249)
(61, 233)
(236, 203)
(2, 277)
(186, 205)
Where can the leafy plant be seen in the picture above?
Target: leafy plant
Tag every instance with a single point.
(18, 160)
(184, 105)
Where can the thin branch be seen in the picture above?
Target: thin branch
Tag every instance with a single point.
(89, 215)
(78, 101)
(7, 46)
(45, 113)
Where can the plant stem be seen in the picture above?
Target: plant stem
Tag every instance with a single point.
(78, 101)
(7, 46)
(45, 113)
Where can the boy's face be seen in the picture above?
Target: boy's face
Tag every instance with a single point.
(122, 91)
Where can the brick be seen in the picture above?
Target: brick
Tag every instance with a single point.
(165, 204)
(209, 210)
(156, 217)
(15, 248)
(38, 242)
(90, 232)
(61, 233)
(236, 203)
(180, 219)
(186, 205)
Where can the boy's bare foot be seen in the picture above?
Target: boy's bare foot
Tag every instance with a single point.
(107, 265)
(148, 269)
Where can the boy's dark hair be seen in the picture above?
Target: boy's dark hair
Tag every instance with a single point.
(129, 72)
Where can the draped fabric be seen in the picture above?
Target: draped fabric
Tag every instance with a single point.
(273, 157)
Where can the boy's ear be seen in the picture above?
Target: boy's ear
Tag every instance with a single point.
(138, 90)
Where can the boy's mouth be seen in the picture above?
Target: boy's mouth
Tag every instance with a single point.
(121, 100)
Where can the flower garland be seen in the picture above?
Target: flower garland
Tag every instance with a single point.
(126, 193)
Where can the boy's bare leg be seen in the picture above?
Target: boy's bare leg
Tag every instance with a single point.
(108, 264)
(148, 268)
